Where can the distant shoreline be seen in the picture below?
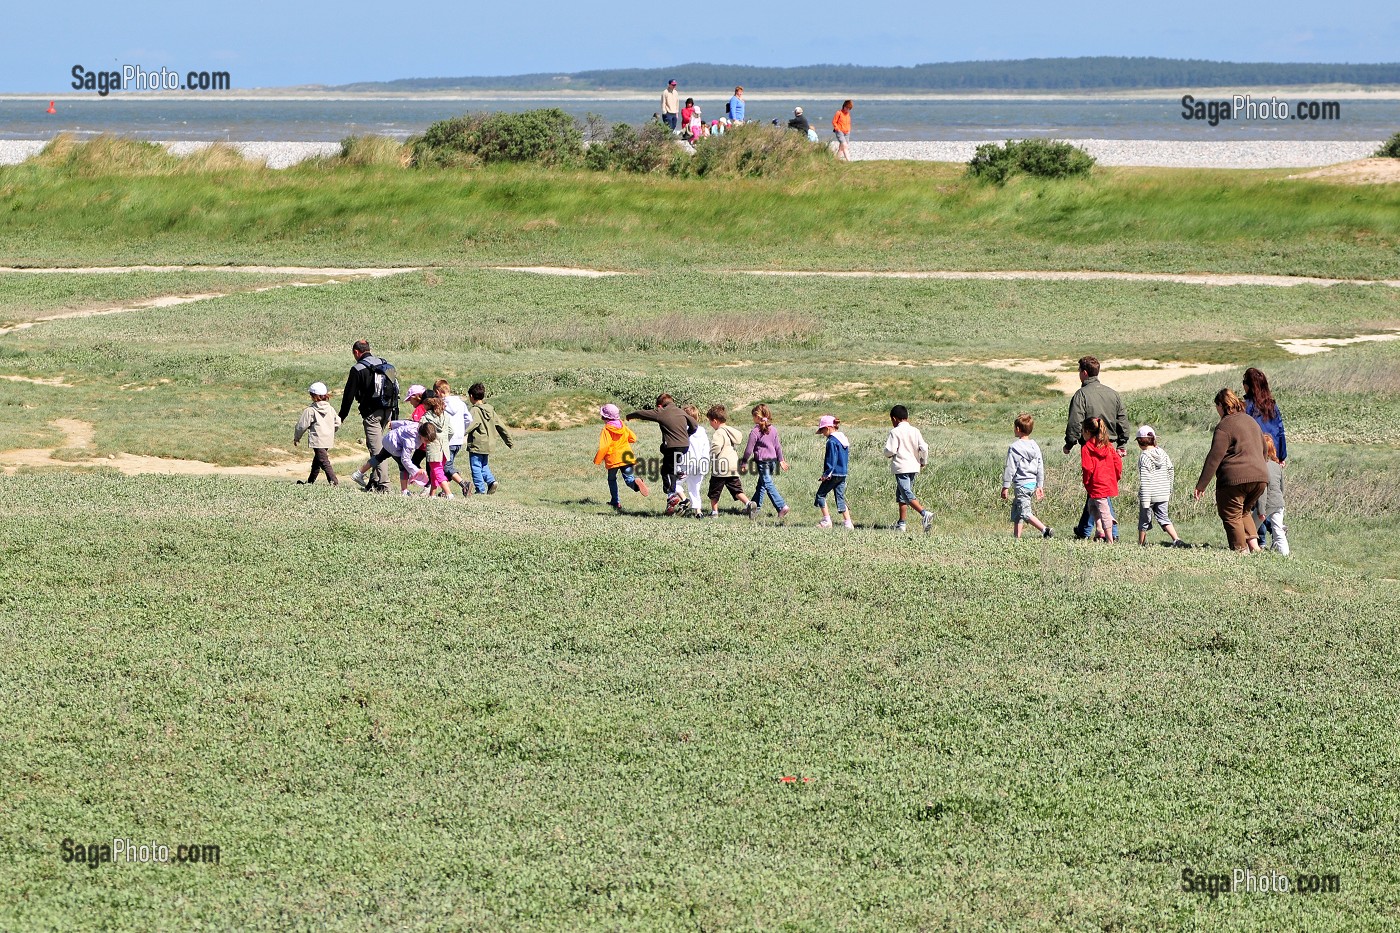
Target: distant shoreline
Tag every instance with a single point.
(1295, 92)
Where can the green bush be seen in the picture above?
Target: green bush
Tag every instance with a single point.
(628, 149)
(546, 137)
(1043, 158)
(1390, 149)
(754, 151)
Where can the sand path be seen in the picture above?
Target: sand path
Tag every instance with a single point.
(374, 273)
(78, 436)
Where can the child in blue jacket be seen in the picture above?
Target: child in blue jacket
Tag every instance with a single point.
(835, 468)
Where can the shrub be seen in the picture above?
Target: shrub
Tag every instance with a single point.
(547, 137)
(1043, 158)
(628, 149)
(1390, 149)
(754, 151)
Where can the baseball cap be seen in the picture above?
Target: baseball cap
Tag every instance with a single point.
(797, 111)
(317, 388)
(825, 421)
(672, 81)
(1146, 431)
(413, 390)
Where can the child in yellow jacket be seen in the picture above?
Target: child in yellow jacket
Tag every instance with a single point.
(615, 452)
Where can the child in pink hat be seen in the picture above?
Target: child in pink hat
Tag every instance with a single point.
(615, 452)
(835, 468)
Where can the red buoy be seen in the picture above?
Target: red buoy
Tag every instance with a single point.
(51, 110)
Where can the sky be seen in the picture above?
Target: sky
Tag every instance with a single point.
(264, 44)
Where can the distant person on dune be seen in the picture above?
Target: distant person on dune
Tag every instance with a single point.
(841, 126)
(671, 105)
(736, 105)
(799, 121)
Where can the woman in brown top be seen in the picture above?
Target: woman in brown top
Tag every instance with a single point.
(1236, 461)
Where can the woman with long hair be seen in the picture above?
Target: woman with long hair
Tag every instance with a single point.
(1259, 404)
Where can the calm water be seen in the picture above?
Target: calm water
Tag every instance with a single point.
(888, 120)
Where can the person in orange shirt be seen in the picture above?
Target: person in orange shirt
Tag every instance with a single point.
(841, 126)
(615, 452)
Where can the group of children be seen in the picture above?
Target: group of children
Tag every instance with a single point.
(1102, 468)
(425, 445)
(717, 455)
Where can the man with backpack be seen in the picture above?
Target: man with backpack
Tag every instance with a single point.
(374, 384)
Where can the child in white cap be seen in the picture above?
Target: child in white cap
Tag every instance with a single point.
(318, 421)
(1155, 477)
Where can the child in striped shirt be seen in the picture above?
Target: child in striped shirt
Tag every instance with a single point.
(1155, 477)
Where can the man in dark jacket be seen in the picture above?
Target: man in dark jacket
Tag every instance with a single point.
(676, 428)
(799, 121)
(1095, 400)
(360, 386)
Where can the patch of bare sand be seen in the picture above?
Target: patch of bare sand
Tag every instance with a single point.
(1143, 374)
(561, 270)
(56, 382)
(78, 435)
(1307, 346)
(1360, 172)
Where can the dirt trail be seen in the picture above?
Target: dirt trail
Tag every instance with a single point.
(78, 435)
(374, 273)
(333, 277)
(1144, 374)
(1191, 278)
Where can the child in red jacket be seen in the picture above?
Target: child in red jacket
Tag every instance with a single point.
(1102, 470)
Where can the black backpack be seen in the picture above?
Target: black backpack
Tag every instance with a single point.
(385, 390)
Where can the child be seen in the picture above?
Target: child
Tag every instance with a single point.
(615, 452)
(459, 416)
(1102, 469)
(1156, 474)
(414, 398)
(908, 454)
(401, 441)
(696, 464)
(835, 468)
(766, 451)
(1268, 513)
(435, 451)
(724, 460)
(676, 428)
(1025, 472)
(320, 420)
(480, 439)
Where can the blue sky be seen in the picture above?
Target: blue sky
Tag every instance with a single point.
(267, 44)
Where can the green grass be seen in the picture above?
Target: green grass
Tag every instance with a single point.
(867, 215)
(522, 711)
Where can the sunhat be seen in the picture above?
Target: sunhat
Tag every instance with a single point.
(824, 422)
(611, 414)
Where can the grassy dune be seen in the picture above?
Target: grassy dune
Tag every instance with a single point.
(523, 711)
(865, 215)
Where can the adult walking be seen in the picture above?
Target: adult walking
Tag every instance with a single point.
(1236, 463)
(676, 428)
(1259, 404)
(671, 105)
(374, 384)
(1095, 400)
(841, 126)
(736, 105)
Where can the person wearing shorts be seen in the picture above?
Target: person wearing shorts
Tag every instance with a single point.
(841, 126)
(724, 460)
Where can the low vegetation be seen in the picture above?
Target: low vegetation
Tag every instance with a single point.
(1390, 149)
(1039, 158)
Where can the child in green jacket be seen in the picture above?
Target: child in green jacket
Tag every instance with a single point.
(485, 423)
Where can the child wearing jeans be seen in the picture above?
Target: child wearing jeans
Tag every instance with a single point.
(480, 438)
(1268, 513)
(1156, 475)
(836, 463)
(766, 450)
(318, 421)
(724, 460)
(615, 452)
(1102, 469)
(1025, 473)
(908, 454)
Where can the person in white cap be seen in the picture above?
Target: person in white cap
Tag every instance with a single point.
(1156, 474)
(318, 422)
(799, 121)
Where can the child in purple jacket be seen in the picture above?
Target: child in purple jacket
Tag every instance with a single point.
(766, 450)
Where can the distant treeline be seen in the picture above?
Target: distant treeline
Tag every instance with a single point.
(1031, 74)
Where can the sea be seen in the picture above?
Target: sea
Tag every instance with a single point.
(876, 119)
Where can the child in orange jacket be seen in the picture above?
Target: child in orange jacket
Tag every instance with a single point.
(1102, 470)
(615, 452)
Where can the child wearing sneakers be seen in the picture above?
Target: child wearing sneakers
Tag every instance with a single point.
(1156, 475)
(766, 450)
(318, 421)
(615, 452)
(724, 460)
(695, 465)
(1102, 469)
(1024, 472)
(480, 438)
(835, 468)
(908, 454)
(1268, 513)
